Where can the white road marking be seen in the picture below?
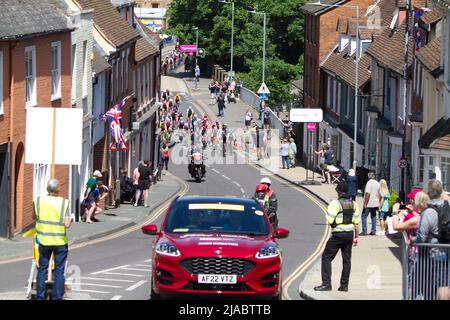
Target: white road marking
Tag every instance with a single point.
(135, 269)
(94, 284)
(112, 269)
(216, 171)
(116, 298)
(143, 265)
(90, 291)
(226, 177)
(243, 191)
(238, 184)
(104, 279)
(136, 285)
(149, 260)
(125, 274)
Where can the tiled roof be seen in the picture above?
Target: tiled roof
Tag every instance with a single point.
(108, 20)
(344, 67)
(99, 64)
(152, 35)
(430, 55)
(432, 16)
(315, 9)
(121, 3)
(388, 49)
(19, 18)
(438, 136)
(144, 49)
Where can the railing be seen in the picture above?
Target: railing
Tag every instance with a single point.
(250, 98)
(426, 273)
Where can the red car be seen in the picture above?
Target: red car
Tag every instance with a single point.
(216, 245)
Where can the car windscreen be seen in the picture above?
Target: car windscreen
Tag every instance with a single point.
(216, 218)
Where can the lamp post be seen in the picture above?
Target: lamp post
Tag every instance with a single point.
(196, 53)
(356, 8)
(232, 33)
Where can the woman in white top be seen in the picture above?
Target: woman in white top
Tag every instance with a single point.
(248, 118)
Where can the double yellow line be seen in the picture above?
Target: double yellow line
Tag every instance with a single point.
(308, 262)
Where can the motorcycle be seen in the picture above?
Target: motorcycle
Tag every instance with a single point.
(196, 167)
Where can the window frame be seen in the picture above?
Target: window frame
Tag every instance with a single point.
(33, 95)
(55, 95)
(84, 82)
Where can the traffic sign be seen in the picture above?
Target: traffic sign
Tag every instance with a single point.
(306, 115)
(402, 163)
(311, 126)
(263, 89)
(263, 96)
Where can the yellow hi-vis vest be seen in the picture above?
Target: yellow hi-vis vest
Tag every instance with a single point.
(50, 213)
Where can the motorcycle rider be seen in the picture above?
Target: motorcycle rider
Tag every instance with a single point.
(196, 155)
(270, 201)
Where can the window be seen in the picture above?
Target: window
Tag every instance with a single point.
(126, 71)
(85, 70)
(445, 173)
(122, 71)
(338, 98)
(74, 72)
(343, 42)
(421, 168)
(30, 76)
(352, 46)
(365, 44)
(139, 88)
(431, 173)
(155, 5)
(41, 177)
(371, 141)
(117, 77)
(112, 82)
(329, 92)
(1, 82)
(55, 70)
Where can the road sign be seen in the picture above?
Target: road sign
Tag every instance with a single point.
(402, 163)
(263, 96)
(311, 126)
(263, 89)
(306, 115)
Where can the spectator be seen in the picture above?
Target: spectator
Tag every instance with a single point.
(293, 156)
(88, 202)
(328, 155)
(266, 141)
(385, 195)
(144, 183)
(266, 117)
(352, 181)
(342, 171)
(284, 152)
(248, 118)
(371, 204)
(221, 104)
(408, 219)
(321, 154)
(165, 156)
(101, 194)
(212, 89)
(327, 170)
(197, 73)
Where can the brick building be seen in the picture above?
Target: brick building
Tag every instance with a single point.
(33, 39)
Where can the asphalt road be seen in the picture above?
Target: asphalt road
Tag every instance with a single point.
(120, 268)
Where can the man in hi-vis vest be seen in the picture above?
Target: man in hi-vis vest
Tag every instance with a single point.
(52, 219)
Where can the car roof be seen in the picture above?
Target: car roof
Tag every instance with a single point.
(215, 199)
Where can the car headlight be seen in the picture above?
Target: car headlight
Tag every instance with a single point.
(168, 249)
(268, 251)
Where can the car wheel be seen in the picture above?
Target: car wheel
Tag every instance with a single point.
(153, 294)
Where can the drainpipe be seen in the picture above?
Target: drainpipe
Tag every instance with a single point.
(11, 225)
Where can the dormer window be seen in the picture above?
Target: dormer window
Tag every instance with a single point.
(365, 44)
(343, 42)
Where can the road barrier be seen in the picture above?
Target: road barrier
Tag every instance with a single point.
(426, 273)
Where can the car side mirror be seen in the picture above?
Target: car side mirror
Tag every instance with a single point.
(150, 229)
(281, 233)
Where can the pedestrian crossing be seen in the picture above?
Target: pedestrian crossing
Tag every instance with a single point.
(113, 283)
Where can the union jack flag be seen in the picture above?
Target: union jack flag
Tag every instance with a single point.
(114, 117)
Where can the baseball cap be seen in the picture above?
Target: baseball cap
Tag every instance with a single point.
(97, 174)
(412, 194)
(342, 187)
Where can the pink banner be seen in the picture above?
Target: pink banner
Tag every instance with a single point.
(188, 48)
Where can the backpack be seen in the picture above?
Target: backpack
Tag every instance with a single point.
(443, 235)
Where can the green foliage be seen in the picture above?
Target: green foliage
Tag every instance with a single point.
(284, 38)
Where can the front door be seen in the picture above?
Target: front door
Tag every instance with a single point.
(5, 214)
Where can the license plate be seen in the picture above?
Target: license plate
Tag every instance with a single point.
(217, 278)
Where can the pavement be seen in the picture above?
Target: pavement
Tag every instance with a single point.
(110, 221)
(376, 265)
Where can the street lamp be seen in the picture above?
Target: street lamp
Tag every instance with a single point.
(356, 8)
(232, 33)
(196, 53)
(264, 43)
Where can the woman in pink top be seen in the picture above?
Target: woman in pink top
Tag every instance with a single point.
(409, 219)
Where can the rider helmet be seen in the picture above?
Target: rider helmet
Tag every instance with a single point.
(266, 180)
